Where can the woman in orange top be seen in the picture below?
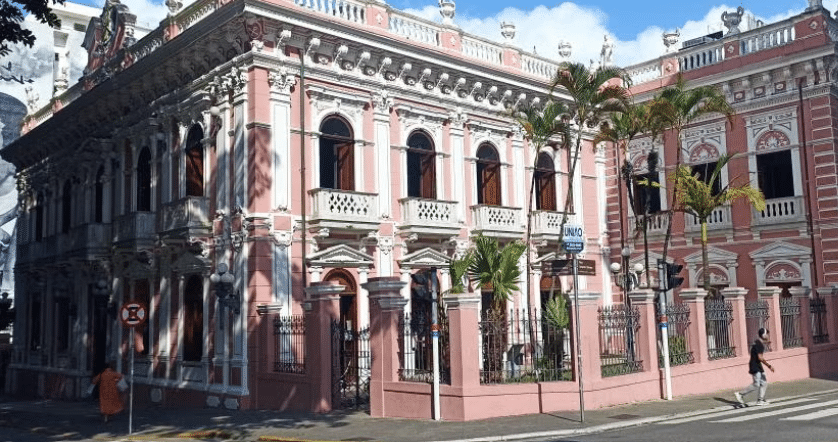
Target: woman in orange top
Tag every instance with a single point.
(110, 400)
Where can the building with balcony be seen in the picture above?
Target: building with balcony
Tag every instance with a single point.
(779, 79)
(300, 145)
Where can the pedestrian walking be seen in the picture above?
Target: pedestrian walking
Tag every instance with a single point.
(760, 382)
(110, 399)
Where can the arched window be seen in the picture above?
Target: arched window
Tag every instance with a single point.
(99, 196)
(421, 172)
(337, 155)
(66, 206)
(348, 308)
(195, 161)
(488, 175)
(545, 183)
(126, 181)
(193, 319)
(144, 181)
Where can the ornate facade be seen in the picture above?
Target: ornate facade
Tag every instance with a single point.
(294, 142)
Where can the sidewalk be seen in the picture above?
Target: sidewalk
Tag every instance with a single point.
(78, 421)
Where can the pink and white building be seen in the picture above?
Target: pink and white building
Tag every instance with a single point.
(325, 152)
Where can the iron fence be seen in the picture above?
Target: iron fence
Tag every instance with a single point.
(678, 327)
(519, 347)
(416, 344)
(618, 328)
(351, 366)
(719, 316)
(756, 317)
(820, 331)
(790, 321)
(290, 342)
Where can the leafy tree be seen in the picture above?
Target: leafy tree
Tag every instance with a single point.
(12, 14)
(696, 197)
(674, 109)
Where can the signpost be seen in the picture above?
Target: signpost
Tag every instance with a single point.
(132, 315)
(564, 267)
(573, 241)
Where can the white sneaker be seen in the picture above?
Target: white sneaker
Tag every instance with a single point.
(738, 397)
(762, 402)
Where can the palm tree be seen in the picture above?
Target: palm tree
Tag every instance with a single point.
(696, 197)
(620, 131)
(496, 267)
(674, 109)
(540, 126)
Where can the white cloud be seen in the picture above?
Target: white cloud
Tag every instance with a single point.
(584, 27)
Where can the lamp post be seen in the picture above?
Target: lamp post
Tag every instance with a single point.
(227, 296)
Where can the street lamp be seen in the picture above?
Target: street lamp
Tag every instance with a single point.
(631, 279)
(223, 281)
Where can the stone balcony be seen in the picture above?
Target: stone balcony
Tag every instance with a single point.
(137, 229)
(656, 223)
(184, 218)
(498, 221)
(546, 224)
(719, 219)
(780, 211)
(88, 241)
(429, 217)
(344, 210)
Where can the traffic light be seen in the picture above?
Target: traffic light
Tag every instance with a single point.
(672, 278)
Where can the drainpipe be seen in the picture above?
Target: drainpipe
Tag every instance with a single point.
(303, 164)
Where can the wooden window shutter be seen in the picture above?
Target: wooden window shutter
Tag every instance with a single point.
(429, 176)
(345, 166)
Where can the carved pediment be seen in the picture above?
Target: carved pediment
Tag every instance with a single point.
(713, 255)
(425, 258)
(780, 250)
(341, 255)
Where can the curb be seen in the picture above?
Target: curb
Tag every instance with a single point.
(619, 425)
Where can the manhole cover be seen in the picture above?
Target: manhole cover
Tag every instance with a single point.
(624, 416)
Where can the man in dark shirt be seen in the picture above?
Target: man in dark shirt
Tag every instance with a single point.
(760, 383)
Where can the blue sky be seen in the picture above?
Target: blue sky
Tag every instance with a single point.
(634, 27)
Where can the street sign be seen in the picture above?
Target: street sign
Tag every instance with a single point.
(564, 267)
(573, 238)
(132, 314)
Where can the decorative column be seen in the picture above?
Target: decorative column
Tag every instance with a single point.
(458, 168)
(644, 300)
(322, 307)
(405, 278)
(382, 102)
(363, 298)
(280, 101)
(801, 294)
(694, 298)
(774, 325)
(736, 296)
(385, 311)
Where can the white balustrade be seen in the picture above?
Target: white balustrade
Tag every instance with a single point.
(719, 219)
(546, 222)
(778, 210)
(656, 223)
(538, 67)
(192, 211)
(497, 218)
(704, 55)
(766, 39)
(428, 212)
(344, 205)
(486, 51)
(645, 72)
(355, 12)
(414, 29)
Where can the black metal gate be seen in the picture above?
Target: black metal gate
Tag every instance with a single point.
(350, 367)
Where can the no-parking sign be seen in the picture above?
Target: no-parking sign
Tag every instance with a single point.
(132, 314)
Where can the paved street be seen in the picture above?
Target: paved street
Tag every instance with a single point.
(800, 411)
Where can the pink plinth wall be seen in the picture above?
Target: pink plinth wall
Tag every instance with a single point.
(466, 399)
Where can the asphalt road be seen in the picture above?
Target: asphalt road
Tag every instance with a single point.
(804, 419)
